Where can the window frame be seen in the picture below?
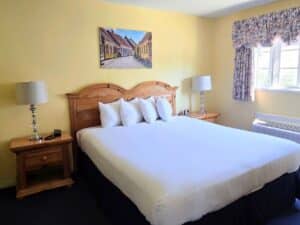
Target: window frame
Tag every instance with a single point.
(274, 69)
(298, 78)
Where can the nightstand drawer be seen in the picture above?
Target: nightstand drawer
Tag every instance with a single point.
(209, 117)
(213, 120)
(43, 157)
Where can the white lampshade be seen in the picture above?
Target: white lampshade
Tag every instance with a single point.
(31, 93)
(201, 83)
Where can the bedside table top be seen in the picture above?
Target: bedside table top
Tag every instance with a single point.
(23, 143)
(204, 116)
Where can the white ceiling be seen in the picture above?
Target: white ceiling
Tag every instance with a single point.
(209, 8)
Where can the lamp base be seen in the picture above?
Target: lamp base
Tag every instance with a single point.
(35, 135)
(35, 138)
(202, 110)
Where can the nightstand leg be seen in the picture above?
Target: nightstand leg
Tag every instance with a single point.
(21, 174)
(66, 157)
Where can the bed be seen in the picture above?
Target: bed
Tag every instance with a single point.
(181, 171)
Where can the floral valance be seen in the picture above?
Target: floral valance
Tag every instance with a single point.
(263, 29)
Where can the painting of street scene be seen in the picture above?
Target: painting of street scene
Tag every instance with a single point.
(120, 48)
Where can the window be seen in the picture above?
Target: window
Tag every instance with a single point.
(277, 67)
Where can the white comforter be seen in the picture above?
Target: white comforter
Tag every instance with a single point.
(180, 170)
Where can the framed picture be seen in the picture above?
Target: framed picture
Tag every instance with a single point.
(121, 48)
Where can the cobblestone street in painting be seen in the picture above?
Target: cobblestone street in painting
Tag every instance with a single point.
(122, 62)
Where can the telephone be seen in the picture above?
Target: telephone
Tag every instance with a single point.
(184, 112)
(56, 133)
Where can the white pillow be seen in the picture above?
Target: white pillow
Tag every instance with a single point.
(164, 109)
(148, 109)
(130, 112)
(110, 114)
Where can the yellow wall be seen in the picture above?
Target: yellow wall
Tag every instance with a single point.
(57, 41)
(240, 114)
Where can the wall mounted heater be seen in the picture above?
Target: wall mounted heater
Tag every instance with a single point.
(276, 125)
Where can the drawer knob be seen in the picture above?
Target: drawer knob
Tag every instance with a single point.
(44, 158)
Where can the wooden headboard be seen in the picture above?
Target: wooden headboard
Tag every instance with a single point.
(83, 105)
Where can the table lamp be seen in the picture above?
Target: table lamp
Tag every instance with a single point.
(201, 84)
(32, 93)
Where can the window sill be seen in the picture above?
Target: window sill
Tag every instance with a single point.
(285, 90)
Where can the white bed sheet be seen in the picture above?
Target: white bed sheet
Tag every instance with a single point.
(180, 170)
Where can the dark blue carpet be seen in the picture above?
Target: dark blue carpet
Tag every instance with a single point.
(77, 206)
(291, 217)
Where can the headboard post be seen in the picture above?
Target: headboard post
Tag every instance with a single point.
(83, 105)
(72, 107)
(72, 110)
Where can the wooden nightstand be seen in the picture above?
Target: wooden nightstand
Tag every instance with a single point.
(42, 165)
(211, 117)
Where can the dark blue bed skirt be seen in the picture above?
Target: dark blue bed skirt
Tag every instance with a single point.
(253, 209)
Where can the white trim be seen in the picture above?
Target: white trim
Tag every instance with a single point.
(275, 64)
(298, 78)
(286, 90)
(277, 118)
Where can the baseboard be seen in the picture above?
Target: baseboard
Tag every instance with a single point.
(7, 182)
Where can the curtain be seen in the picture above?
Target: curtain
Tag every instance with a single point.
(242, 83)
(261, 30)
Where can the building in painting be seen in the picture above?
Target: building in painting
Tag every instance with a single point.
(131, 42)
(144, 49)
(114, 46)
(109, 48)
(125, 48)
